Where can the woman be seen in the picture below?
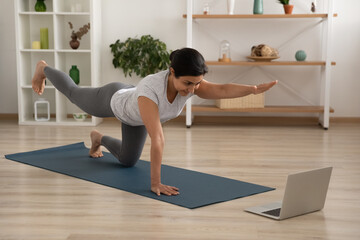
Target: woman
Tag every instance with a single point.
(157, 98)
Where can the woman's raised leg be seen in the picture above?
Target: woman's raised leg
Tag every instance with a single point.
(94, 101)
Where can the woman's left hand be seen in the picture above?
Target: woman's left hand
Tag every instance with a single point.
(264, 87)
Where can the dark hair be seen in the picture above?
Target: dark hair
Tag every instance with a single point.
(188, 62)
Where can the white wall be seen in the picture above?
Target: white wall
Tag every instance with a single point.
(163, 19)
(8, 91)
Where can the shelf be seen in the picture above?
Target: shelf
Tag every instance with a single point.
(322, 63)
(266, 109)
(73, 13)
(30, 87)
(55, 13)
(59, 55)
(59, 50)
(38, 50)
(36, 13)
(257, 16)
(74, 51)
(272, 63)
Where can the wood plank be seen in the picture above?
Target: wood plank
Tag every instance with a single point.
(274, 109)
(272, 63)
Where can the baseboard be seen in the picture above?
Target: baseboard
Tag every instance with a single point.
(8, 116)
(233, 119)
(345, 120)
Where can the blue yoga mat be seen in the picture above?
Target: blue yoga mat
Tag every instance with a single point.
(196, 189)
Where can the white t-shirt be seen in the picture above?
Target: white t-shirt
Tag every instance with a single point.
(125, 106)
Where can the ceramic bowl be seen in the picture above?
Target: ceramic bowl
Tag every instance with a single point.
(80, 116)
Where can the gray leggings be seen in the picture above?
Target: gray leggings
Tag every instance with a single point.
(96, 102)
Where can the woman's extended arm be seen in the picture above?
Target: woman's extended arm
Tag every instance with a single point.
(150, 115)
(208, 90)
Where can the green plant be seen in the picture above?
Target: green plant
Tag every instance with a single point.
(142, 56)
(284, 2)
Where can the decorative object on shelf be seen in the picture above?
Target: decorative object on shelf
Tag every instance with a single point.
(44, 38)
(40, 6)
(262, 59)
(206, 8)
(287, 7)
(74, 43)
(36, 45)
(249, 101)
(80, 117)
(300, 55)
(258, 7)
(230, 6)
(313, 6)
(42, 110)
(78, 7)
(224, 51)
(142, 56)
(75, 7)
(74, 73)
(263, 53)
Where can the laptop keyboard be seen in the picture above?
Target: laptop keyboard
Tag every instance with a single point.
(274, 212)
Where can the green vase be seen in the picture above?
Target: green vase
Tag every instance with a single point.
(40, 6)
(75, 74)
(300, 55)
(258, 7)
(44, 38)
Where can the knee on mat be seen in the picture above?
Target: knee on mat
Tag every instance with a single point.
(129, 162)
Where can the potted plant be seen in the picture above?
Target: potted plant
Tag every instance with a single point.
(287, 7)
(142, 56)
(74, 43)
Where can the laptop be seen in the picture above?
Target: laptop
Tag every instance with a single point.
(305, 192)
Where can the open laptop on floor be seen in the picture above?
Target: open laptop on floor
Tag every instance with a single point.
(305, 192)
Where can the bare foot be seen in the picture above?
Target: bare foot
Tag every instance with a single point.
(95, 150)
(38, 81)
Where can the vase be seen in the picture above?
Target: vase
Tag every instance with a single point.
(300, 55)
(288, 9)
(44, 38)
(74, 43)
(75, 74)
(258, 7)
(40, 6)
(230, 6)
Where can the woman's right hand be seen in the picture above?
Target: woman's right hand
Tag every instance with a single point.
(164, 189)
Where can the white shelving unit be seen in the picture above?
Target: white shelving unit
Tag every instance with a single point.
(59, 55)
(323, 110)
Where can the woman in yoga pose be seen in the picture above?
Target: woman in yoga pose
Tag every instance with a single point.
(142, 109)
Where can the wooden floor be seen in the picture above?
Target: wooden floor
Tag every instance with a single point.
(39, 204)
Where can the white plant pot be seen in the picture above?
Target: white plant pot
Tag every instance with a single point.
(230, 6)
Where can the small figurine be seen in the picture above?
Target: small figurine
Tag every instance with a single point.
(313, 7)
